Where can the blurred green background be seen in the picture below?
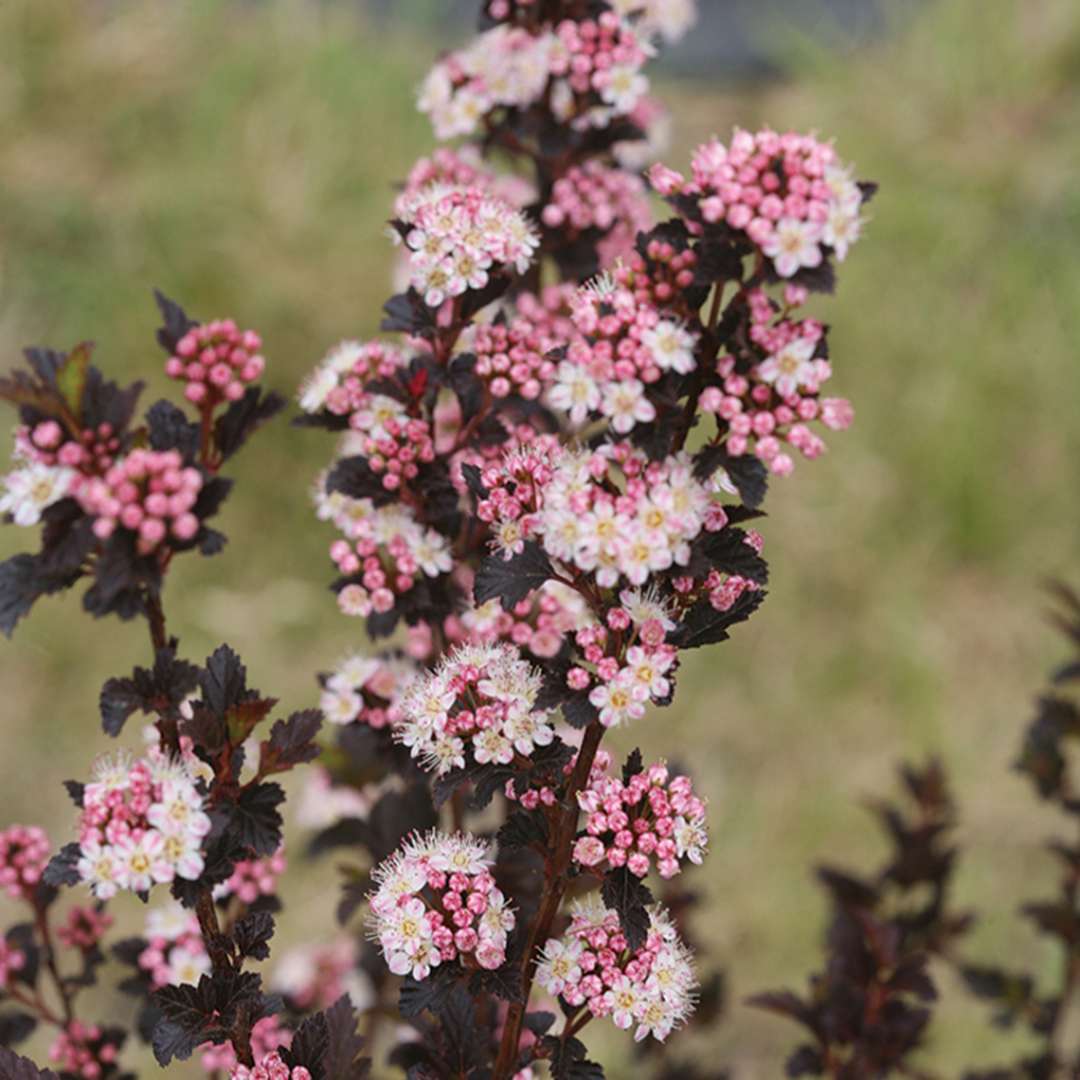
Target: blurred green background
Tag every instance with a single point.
(241, 156)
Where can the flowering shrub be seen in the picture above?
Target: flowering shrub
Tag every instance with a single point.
(540, 488)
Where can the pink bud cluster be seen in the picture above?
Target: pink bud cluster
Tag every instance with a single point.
(660, 281)
(174, 952)
(435, 902)
(217, 361)
(268, 1036)
(596, 196)
(83, 1050)
(84, 928)
(651, 818)
(92, 452)
(149, 493)
(12, 961)
(789, 194)
(315, 976)
(394, 444)
(774, 401)
(538, 624)
(545, 794)
(622, 347)
(142, 823)
(458, 237)
(462, 166)
(601, 57)
(389, 552)
(24, 854)
(650, 989)
(480, 701)
(338, 383)
(366, 690)
(254, 878)
(511, 357)
(723, 590)
(270, 1067)
(515, 486)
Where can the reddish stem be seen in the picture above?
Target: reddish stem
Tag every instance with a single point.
(555, 885)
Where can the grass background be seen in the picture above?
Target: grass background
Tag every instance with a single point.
(240, 157)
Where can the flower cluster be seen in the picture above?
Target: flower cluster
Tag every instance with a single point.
(389, 553)
(338, 383)
(322, 802)
(315, 976)
(788, 194)
(592, 966)
(511, 357)
(615, 514)
(85, 927)
(772, 401)
(174, 952)
(669, 18)
(463, 166)
(539, 624)
(24, 854)
(142, 823)
(596, 196)
(601, 59)
(623, 346)
(649, 817)
(253, 878)
(150, 493)
(268, 1035)
(92, 450)
(480, 702)
(507, 67)
(270, 1067)
(217, 361)
(85, 1050)
(367, 690)
(459, 237)
(435, 902)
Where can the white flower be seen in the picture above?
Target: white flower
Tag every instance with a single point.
(574, 392)
(626, 404)
(30, 490)
(625, 999)
(340, 706)
(141, 863)
(316, 388)
(793, 245)
(691, 839)
(492, 745)
(405, 929)
(353, 672)
(179, 810)
(170, 921)
(672, 346)
(187, 967)
(559, 967)
(616, 701)
(842, 229)
(790, 368)
(100, 869)
(460, 854)
(623, 87)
